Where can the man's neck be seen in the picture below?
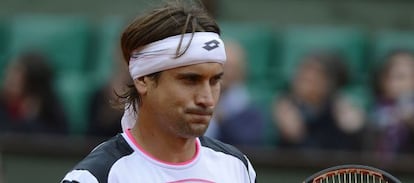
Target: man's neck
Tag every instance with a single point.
(163, 146)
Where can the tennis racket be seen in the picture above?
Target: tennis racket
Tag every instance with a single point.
(352, 174)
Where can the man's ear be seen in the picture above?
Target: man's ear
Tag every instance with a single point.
(141, 84)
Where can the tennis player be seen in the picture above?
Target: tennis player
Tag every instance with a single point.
(175, 57)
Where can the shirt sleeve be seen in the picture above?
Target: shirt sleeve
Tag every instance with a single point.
(79, 176)
(252, 173)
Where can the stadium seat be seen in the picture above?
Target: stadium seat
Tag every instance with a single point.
(258, 42)
(3, 51)
(347, 41)
(3, 37)
(64, 39)
(385, 41)
(74, 92)
(107, 49)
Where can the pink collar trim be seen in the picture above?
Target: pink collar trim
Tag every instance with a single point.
(132, 139)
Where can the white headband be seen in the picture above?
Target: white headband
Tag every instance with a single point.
(161, 55)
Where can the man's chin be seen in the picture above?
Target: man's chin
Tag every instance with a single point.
(197, 130)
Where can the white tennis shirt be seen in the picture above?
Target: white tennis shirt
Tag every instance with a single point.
(122, 160)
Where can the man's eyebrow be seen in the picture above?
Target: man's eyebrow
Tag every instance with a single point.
(196, 75)
(219, 75)
(188, 75)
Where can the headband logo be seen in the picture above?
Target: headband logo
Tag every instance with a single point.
(211, 45)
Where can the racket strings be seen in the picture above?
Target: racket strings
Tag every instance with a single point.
(350, 176)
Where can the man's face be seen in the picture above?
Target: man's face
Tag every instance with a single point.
(311, 82)
(399, 81)
(183, 101)
(14, 80)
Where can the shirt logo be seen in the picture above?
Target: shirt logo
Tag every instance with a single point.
(210, 45)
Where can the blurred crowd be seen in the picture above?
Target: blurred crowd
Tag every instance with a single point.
(320, 105)
(311, 112)
(30, 103)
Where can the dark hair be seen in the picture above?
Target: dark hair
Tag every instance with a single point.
(38, 75)
(38, 82)
(174, 18)
(333, 63)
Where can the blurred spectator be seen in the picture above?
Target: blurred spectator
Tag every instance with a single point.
(393, 112)
(313, 114)
(237, 119)
(28, 103)
(105, 118)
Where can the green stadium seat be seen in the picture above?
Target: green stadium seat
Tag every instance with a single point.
(3, 37)
(300, 40)
(386, 41)
(75, 92)
(3, 49)
(258, 41)
(107, 52)
(64, 39)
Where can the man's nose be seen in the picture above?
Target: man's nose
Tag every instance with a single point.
(205, 96)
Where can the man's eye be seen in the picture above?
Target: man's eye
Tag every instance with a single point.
(215, 80)
(190, 80)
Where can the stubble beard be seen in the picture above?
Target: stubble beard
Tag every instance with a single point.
(191, 130)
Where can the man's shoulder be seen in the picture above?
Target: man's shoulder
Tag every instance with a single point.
(100, 161)
(222, 147)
